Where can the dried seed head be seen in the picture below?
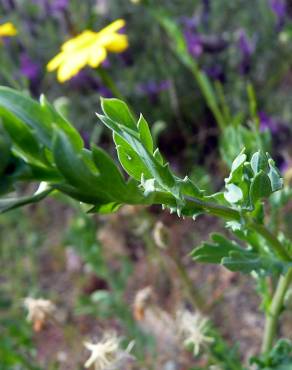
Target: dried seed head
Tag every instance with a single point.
(192, 328)
(160, 235)
(106, 354)
(39, 310)
(141, 301)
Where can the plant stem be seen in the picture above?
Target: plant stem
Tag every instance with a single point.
(228, 213)
(272, 240)
(193, 293)
(274, 311)
(109, 83)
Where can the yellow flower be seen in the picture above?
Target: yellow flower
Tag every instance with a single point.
(88, 48)
(7, 29)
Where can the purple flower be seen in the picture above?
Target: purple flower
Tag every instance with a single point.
(105, 92)
(58, 6)
(29, 68)
(279, 8)
(8, 4)
(153, 89)
(247, 48)
(268, 123)
(53, 6)
(216, 72)
(194, 44)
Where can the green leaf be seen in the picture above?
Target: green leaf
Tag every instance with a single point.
(246, 262)
(118, 111)
(150, 165)
(275, 176)
(237, 168)
(73, 166)
(233, 193)
(38, 117)
(145, 134)
(209, 252)
(235, 258)
(130, 160)
(23, 138)
(259, 162)
(26, 110)
(260, 187)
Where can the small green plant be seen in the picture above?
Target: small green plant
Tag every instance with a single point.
(39, 145)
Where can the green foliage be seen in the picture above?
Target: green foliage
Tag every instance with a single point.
(250, 182)
(236, 258)
(279, 358)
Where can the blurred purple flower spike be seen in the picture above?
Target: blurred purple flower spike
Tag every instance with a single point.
(8, 4)
(29, 68)
(279, 8)
(194, 43)
(268, 123)
(247, 48)
(154, 88)
(53, 6)
(59, 5)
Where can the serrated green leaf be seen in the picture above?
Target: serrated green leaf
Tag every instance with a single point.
(214, 252)
(235, 258)
(145, 134)
(119, 112)
(73, 167)
(130, 160)
(38, 117)
(23, 138)
(187, 187)
(161, 173)
(157, 155)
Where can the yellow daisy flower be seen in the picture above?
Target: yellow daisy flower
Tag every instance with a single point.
(7, 29)
(88, 48)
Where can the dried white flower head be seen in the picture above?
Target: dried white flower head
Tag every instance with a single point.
(106, 354)
(141, 301)
(192, 328)
(39, 310)
(160, 235)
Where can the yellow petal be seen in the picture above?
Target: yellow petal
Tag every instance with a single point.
(97, 56)
(56, 62)
(71, 66)
(86, 38)
(117, 44)
(7, 29)
(113, 27)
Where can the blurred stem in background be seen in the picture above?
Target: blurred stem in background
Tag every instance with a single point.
(180, 49)
(110, 83)
(274, 311)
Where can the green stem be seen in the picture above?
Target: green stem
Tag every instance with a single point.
(274, 311)
(227, 213)
(272, 240)
(109, 83)
(192, 292)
